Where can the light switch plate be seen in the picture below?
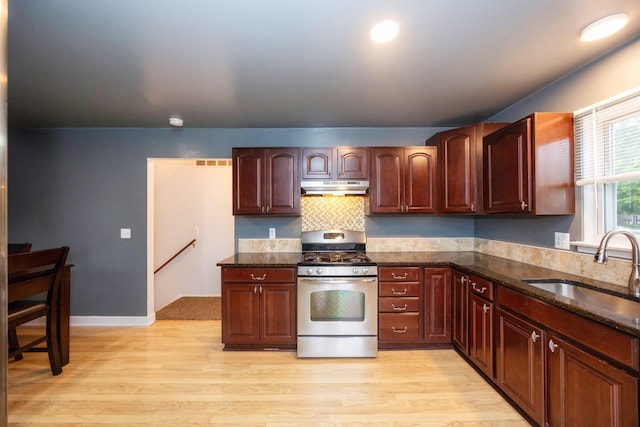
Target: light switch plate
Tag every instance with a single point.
(272, 233)
(562, 241)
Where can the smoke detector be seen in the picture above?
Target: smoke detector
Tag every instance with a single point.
(176, 122)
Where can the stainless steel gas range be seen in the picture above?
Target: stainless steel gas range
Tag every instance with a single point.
(337, 296)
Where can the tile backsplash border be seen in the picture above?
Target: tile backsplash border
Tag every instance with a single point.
(616, 271)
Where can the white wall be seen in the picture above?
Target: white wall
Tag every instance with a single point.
(188, 197)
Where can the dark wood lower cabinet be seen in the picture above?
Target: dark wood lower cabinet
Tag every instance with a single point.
(258, 308)
(437, 305)
(460, 311)
(584, 390)
(481, 334)
(520, 363)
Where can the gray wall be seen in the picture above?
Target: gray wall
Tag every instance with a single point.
(80, 186)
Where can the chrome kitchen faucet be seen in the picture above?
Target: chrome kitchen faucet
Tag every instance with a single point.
(601, 257)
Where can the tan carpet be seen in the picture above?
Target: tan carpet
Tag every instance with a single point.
(191, 308)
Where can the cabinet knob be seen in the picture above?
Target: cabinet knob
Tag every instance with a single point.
(523, 205)
(552, 346)
(534, 336)
(485, 308)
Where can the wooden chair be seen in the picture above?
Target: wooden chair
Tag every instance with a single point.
(18, 248)
(29, 275)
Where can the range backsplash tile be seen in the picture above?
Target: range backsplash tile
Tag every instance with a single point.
(333, 212)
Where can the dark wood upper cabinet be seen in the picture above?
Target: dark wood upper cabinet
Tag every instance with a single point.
(460, 167)
(266, 181)
(341, 163)
(403, 180)
(528, 166)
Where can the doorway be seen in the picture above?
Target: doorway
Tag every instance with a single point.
(189, 199)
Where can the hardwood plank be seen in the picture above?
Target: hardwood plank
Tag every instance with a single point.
(175, 373)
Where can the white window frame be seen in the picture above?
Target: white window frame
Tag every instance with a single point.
(593, 187)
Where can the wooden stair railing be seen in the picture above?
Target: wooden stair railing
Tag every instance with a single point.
(191, 243)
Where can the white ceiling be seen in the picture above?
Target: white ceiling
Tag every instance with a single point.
(290, 63)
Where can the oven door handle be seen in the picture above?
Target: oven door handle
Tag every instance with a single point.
(336, 280)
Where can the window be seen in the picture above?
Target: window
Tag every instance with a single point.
(607, 138)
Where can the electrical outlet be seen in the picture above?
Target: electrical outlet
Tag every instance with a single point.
(272, 233)
(562, 240)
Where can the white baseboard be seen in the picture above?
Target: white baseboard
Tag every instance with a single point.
(113, 320)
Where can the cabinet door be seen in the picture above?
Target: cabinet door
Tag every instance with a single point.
(248, 173)
(282, 181)
(508, 168)
(240, 314)
(583, 390)
(519, 363)
(317, 163)
(437, 305)
(387, 181)
(481, 333)
(352, 163)
(278, 314)
(457, 168)
(420, 180)
(459, 334)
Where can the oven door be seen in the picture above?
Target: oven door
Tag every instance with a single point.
(337, 306)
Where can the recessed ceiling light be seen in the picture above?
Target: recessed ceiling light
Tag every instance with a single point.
(604, 27)
(384, 32)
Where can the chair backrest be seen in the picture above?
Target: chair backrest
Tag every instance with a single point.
(32, 273)
(18, 248)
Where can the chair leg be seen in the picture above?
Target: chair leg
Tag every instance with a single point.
(14, 344)
(53, 346)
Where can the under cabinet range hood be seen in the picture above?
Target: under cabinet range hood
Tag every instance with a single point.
(334, 188)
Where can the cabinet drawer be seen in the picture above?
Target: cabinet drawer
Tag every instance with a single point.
(258, 275)
(481, 287)
(398, 305)
(614, 344)
(399, 274)
(399, 290)
(404, 327)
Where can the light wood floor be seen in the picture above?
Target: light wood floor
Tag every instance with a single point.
(174, 373)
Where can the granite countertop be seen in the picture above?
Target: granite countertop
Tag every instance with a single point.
(499, 270)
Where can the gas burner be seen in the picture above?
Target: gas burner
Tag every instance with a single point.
(335, 258)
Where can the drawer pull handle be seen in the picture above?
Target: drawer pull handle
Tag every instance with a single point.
(399, 277)
(264, 276)
(399, 308)
(393, 291)
(534, 336)
(475, 288)
(399, 331)
(552, 346)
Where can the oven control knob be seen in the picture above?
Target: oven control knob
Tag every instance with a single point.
(365, 270)
(319, 270)
(309, 270)
(356, 270)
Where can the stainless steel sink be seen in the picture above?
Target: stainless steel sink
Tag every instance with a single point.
(599, 301)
